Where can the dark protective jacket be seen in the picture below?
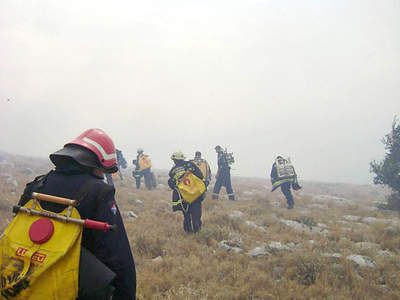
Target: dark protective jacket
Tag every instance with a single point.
(276, 181)
(179, 170)
(175, 174)
(223, 176)
(223, 166)
(97, 203)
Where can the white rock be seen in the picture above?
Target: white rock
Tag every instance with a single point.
(333, 255)
(254, 225)
(361, 260)
(258, 251)
(295, 225)
(300, 227)
(131, 215)
(278, 246)
(373, 220)
(352, 218)
(236, 214)
(157, 259)
(225, 246)
(272, 247)
(322, 225)
(138, 201)
(249, 193)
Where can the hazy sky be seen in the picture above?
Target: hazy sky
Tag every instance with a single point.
(316, 80)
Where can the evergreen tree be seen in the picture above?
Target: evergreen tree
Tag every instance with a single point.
(387, 171)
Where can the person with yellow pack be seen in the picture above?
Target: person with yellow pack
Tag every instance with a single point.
(143, 169)
(104, 259)
(188, 190)
(203, 166)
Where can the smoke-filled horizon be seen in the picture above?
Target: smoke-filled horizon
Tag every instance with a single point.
(316, 81)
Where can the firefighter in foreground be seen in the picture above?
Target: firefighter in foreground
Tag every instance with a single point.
(186, 181)
(79, 170)
(283, 175)
(223, 177)
(203, 166)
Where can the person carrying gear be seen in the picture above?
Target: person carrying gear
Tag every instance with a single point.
(283, 175)
(143, 168)
(136, 173)
(79, 170)
(121, 163)
(223, 177)
(188, 190)
(203, 166)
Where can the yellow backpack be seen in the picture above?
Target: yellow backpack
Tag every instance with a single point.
(144, 162)
(35, 270)
(191, 187)
(40, 251)
(203, 166)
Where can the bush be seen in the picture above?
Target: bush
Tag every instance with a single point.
(387, 171)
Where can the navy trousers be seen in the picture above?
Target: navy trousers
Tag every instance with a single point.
(285, 187)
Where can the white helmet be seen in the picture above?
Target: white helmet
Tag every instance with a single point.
(178, 155)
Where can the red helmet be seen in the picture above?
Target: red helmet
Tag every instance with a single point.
(98, 143)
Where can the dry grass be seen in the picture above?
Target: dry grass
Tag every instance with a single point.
(194, 267)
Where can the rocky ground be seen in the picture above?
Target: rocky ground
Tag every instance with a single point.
(336, 244)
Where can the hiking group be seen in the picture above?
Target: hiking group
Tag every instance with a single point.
(68, 226)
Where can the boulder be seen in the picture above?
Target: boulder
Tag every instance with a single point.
(254, 225)
(131, 215)
(225, 246)
(258, 251)
(236, 214)
(361, 261)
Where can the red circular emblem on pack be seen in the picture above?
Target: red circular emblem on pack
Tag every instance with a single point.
(41, 231)
(186, 181)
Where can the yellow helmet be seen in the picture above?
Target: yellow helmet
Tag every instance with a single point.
(178, 155)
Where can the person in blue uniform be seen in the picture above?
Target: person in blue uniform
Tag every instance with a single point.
(223, 177)
(191, 212)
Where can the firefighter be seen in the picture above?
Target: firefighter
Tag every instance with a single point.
(191, 212)
(143, 168)
(223, 177)
(283, 175)
(79, 170)
(121, 163)
(203, 166)
(136, 173)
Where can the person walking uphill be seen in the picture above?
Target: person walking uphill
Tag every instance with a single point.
(188, 190)
(79, 170)
(223, 177)
(283, 175)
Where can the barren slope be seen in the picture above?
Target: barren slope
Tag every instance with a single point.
(335, 244)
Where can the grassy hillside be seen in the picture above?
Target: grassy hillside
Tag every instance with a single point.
(335, 244)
